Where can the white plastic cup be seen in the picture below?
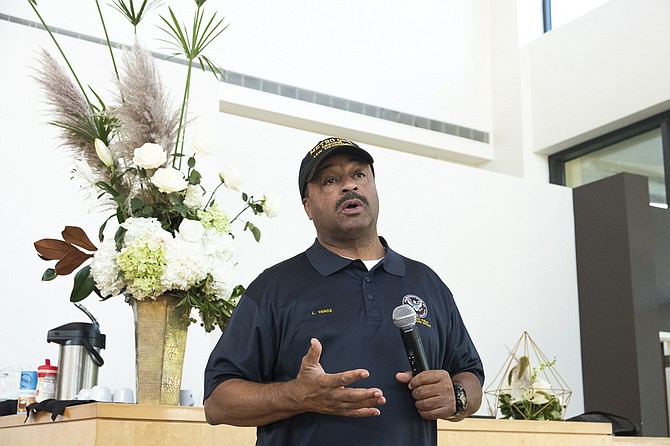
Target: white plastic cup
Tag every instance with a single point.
(186, 397)
(84, 394)
(101, 394)
(123, 395)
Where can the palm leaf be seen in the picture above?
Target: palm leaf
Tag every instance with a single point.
(192, 45)
(128, 10)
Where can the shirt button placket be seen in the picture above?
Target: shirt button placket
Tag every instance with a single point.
(371, 305)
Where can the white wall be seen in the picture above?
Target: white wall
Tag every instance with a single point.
(607, 68)
(504, 245)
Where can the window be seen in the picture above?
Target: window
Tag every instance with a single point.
(642, 148)
(560, 12)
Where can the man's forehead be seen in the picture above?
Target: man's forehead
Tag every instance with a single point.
(339, 158)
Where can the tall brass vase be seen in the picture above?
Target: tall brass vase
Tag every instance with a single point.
(160, 344)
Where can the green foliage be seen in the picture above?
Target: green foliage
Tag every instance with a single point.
(135, 16)
(528, 410)
(212, 311)
(99, 125)
(49, 274)
(83, 285)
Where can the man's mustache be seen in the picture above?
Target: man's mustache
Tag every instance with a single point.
(351, 196)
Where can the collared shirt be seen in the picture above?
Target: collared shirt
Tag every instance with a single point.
(349, 309)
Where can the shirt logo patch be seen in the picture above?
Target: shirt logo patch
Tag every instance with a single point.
(417, 303)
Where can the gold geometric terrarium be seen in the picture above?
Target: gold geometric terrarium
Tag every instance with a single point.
(528, 386)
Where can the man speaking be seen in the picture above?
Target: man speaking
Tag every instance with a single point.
(313, 354)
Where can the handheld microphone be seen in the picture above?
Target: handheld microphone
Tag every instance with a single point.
(404, 317)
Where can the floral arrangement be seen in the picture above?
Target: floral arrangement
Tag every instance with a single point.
(527, 396)
(170, 237)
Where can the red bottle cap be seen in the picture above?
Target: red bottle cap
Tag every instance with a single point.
(46, 369)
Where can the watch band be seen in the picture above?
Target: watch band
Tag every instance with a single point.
(461, 399)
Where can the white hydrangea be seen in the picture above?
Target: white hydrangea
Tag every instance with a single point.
(195, 197)
(105, 270)
(144, 228)
(186, 264)
(189, 257)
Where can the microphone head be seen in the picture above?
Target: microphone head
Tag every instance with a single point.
(404, 317)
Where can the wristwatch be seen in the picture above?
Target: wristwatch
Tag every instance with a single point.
(461, 399)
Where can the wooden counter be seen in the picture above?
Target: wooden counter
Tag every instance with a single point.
(114, 424)
(488, 432)
(103, 424)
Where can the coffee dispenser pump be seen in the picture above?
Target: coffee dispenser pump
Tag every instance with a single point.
(79, 356)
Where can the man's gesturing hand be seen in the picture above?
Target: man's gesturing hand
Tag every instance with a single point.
(328, 393)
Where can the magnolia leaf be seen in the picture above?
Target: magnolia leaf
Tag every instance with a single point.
(49, 274)
(52, 249)
(71, 261)
(77, 236)
(83, 285)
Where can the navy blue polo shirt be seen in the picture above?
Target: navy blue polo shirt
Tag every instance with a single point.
(318, 294)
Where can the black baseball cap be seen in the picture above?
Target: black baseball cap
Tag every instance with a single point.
(322, 151)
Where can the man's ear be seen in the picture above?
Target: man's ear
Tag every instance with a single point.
(306, 206)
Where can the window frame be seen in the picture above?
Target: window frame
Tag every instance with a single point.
(662, 120)
(546, 15)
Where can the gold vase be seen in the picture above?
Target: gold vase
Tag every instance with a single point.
(160, 344)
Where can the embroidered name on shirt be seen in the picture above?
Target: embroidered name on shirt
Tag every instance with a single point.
(322, 311)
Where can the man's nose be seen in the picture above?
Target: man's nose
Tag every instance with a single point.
(349, 184)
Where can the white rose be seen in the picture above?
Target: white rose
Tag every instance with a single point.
(149, 156)
(169, 180)
(191, 230)
(270, 206)
(230, 179)
(103, 152)
(203, 144)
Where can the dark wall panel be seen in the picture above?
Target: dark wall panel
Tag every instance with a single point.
(619, 317)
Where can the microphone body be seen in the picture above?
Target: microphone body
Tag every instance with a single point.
(404, 317)
(414, 348)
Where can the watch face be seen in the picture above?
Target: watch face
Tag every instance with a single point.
(461, 398)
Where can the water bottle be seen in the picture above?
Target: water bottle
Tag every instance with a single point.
(27, 390)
